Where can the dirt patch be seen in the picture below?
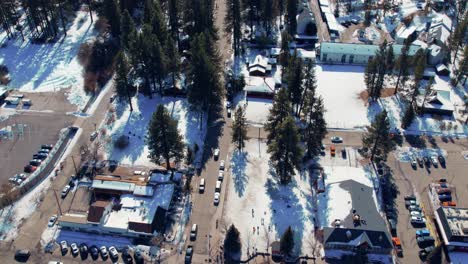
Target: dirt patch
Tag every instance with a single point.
(386, 92)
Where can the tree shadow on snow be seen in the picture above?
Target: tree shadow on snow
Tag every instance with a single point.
(238, 166)
(286, 209)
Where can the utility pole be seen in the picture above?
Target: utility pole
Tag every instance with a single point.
(74, 165)
(58, 203)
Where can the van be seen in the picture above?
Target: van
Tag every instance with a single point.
(201, 187)
(193, 232)
(332, 150)
(218, 186)
(22, 255)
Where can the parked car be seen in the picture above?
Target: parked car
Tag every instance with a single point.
(93, 136)
(443, 180)
(229, 112)
(216, 154)
(336, 139)
(201, 187)
(397, 245)
(65, 191)
(434, 161)
(449, 203)
(416, 213)
(422, 233)
(52, 221)
(22, 255)
(221, 175)
(188, 255)
(30, 168)
(445, 197)
(126, 257)
(441, 160)
(414, 164)
(343, 153)
(444, 191)
(103, 251)
(35, 162)
(40, 156)
(63, 247)
(216, 198)
(193, 232)
(410, 197)
(332, 150)
(228, 104)
(138, 256)
(420, 161)
(221, 165)
(74, 249)
(47, 146)
(427, 161)
(84, 250)
(425, 241)
(46, 151)
(417, 220)
(408, 203)
(94, 251)
(423, 253)
(415, 208)
(113, 253)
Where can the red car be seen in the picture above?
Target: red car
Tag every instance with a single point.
(30, 168)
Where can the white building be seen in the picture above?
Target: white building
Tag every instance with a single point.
(349, 53)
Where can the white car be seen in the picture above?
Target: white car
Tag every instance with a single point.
(414, 164)
(434, 161)
(74, 249)
(52, 221)
(221, 165)
(216, 153)
(417, 220)
(416, 213)
(221, 175)
(93, 136)
(103, 250)
(63, 246)
(216, 198)
(336, 139)
(113, 252)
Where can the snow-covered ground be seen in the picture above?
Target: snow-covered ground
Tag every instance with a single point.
(340, 85)
(134, 125)
(49, 67)
(261, 208)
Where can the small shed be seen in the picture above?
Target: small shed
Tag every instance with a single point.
(441, 69)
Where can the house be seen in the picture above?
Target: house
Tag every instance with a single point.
(306, 29)
(332, 24)
(438, 102)
(351, 240)
(441, 69)
(259, 67)
(351, 53)
(439, 30)
(264, 88)
(405, 33)
(453, 226)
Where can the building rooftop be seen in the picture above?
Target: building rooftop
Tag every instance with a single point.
(361, 49)
(454, 221)
(74, 218)
(113, 185)
(356, 237)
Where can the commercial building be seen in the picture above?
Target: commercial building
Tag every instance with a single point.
(351, 53)
(453, 226)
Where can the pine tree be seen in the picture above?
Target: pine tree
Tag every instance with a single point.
(370, 77)
(389, 60)
(232, 242)
(285, 150)
(408, 117)
(233, 23)
(279, 111)
(163, 138)
(316, 126)
(173, 10)
(269, 13)
(173, 60)
(249, 5)
(291, 16)
(402, 65)
(457, 37)
(294, 80)
(239, 128)
(122, 85)
(287, 241)
(377, 138)
(159, 24)
(111, 11)
(284, 55)
(310, 83)
(427, 92)
(381, 65)
(462, 70)
(148, 12)
(158, 64)
(127, 30)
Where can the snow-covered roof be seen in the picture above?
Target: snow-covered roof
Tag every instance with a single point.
(306, 54)
(361, 49)
(275, 51)
(324, 3)
(143, 190)
(441, 67)
(139, 209)
(113, 185)
(439, 99)
(259, 60)
(434, 50)
(261, 85)
(332, 23)
(404, 32)
(420, 43)
(158, 177)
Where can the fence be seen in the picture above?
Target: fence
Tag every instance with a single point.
(38, 175)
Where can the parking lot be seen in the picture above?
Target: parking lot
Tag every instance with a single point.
(29, 131)
(415, 181)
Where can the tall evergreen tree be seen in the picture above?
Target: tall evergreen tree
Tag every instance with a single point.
(427, 93)
(370, 78)
(250, 7)
(284, 55)
(148, 12)
(279, 111)
(268, 15)
(457, 37)
(159, 24)
(377, 138)
(158, 64)
(287, 241)
(291, 16)
(402, 66)
(389, 60)
(111, 11)
(408, 117)
(285, 150)
(173, 10)
(462, 70)
(233, 23)
(163, 138)
(127, 30)
(310, 83)
(232, 242)
(294, 80)
(173, 60)
(239, 128)
(316, 126)
(122, 85)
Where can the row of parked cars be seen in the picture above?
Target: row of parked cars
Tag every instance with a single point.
(111, 252)
(38, 158)
(444, 193)
(433, 160)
